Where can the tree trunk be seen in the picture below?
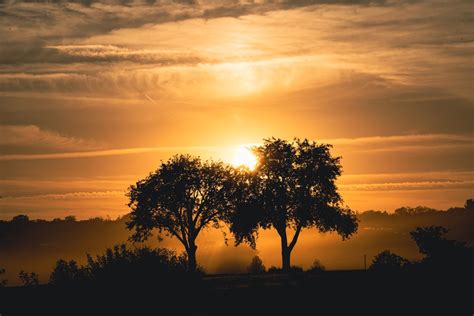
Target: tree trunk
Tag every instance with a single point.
(285, 251)
(192, 263)
(285, 259)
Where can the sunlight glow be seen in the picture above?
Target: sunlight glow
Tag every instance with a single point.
(243, 156)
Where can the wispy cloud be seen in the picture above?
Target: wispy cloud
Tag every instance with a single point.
(405, 143)
(109, 152)
(402, 139)
(33, 137)
(406, 186)
(67, 196)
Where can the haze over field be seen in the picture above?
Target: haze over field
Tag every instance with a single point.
(37, 246)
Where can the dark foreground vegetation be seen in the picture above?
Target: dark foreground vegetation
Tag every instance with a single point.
(142, 280)
(331, 293)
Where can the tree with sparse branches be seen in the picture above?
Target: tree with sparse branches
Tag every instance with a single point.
(29, 279)
(182, 197)
(292, 188)
(317, 266)
(3, 282)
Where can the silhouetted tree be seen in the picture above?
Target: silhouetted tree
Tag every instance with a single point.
(29, 279)
(388, 261)
(256, 266)
(3, 281)
(70, 218)
(469, 205)
(414, 210)
(293, 187)
(20, 219)
(179, 199)
(440, 251)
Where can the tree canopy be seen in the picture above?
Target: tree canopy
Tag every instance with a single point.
(293, 187)
(183, 196)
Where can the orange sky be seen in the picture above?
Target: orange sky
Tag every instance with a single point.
(93, 95)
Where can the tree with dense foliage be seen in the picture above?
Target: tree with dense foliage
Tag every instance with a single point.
(440, 251)
(388, 261)
(183, 196)
(292, 188)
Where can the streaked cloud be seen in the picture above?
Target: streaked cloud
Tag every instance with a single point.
(31, 137)
(405, 143)
(68, 196)
(403, 186)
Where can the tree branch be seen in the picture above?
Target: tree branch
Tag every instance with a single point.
(295, 237)
(201, 207)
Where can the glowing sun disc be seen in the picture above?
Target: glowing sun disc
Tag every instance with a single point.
(244, 157)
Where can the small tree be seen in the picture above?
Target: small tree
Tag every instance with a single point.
(179, 199)
(20, 219)
(292, 188)
(29, 279)
(469, 205)
(317, 266)
(256, 266)
(3, 281)
(70, 218)
(388, 261)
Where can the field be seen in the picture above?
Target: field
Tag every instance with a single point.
(356, 292)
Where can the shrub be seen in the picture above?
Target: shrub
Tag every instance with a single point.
(67, 272)
(256, 266)
(3, 282)
(122, 266)
(388, 261)
(317, 266)
(293, 269)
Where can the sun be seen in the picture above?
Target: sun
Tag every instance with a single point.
(243, 156)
